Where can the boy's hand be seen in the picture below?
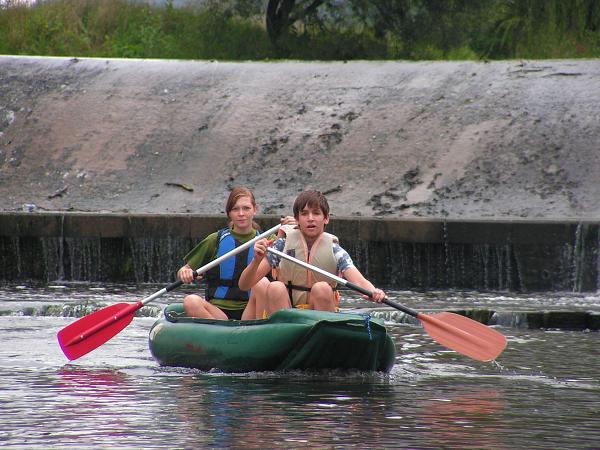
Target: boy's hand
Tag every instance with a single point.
(378, 296)
(260, 249)
(287, 220)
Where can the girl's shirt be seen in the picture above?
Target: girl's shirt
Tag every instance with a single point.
(206, 250)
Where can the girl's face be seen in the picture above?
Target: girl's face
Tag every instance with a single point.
(242, 214)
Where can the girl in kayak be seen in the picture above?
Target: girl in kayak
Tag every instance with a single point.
(296, 286)
(224, 300)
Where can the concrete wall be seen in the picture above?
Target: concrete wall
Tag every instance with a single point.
(405, 254)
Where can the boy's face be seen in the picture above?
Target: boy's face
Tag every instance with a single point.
(311, 222)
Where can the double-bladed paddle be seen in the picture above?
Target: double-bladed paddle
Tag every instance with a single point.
(456, 332)
(90, 332)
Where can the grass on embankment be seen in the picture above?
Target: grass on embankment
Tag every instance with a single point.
(492, 29)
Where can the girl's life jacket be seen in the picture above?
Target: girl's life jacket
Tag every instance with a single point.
(222, 281)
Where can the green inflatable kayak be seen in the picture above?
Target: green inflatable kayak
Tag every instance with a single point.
(290, 339)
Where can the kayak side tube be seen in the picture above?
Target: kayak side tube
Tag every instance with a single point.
(290, 339)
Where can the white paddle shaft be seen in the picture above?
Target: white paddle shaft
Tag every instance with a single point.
(214, 263)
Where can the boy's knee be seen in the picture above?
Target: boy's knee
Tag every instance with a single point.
(277, 287)
(277, 295)
(261, 286)
(321, 289)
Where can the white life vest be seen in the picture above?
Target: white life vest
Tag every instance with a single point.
(321, 256)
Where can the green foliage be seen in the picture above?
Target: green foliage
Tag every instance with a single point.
(128, 29)
(138, 34)
(546, 29)
(462, 54)
(354, 29)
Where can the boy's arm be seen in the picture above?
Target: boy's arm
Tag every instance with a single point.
(258, 267)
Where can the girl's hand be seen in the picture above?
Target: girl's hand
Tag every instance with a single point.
(186, 274)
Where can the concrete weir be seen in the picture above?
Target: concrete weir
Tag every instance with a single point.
(443, 140)
(516, 256)
(440, 175)
(404, 254)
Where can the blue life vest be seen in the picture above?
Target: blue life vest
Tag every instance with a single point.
(222, 281)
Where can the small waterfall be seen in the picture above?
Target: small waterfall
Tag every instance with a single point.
(51, 259)
(157, 260)
(513, 277)
(447, 263)
(16, 253)
(585, 265)
(502, 266)
(52, 255)
(597, 247)
(494, 256)
(85, 259)
(578, 258)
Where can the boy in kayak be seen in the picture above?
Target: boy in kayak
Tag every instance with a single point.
(224, 300)
(307, 241)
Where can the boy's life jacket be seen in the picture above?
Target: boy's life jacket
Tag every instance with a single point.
(222, 280)
(298, 279)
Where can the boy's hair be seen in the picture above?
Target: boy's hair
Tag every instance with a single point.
(312, 199)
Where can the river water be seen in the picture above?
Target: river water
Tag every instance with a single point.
(543, 392)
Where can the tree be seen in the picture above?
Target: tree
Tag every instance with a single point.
(413, 28)
(282, 14)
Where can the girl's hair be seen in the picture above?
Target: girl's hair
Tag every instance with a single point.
(234, 196)
(312, 199)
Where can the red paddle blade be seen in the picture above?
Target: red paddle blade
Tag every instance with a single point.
(90, 332)
(464, 335)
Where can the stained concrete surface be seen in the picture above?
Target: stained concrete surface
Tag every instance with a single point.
(457, 140)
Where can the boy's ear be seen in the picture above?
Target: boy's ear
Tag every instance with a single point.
(326, 219)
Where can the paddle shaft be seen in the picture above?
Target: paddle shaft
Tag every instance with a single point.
(131, 309)
(213, 263)
(453, 331)
(341, 281)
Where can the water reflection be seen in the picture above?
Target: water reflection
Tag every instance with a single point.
(104, 383)
(298, 410)
(471, 419)
(283, 409)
